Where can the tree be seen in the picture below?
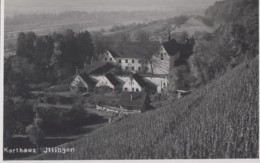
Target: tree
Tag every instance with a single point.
(124, 37)
(36, 134)
(16, 85)
(23, 115)
(26, 45)
(142, 36)
(208, 61)
(85, 48)
(9, 125)
(43, 52)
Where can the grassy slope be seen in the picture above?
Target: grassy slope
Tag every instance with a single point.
(217, 121)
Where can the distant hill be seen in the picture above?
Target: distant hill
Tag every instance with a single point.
(13, 7)
(158, 29)
(196, 24)
(216, 121)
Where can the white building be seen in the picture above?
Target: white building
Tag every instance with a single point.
(132, 85)
(136, 83)
(83, 82)
(161, 81)
(131, 57)
(163, 60)
(107, 80)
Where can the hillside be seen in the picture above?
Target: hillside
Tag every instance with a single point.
(219, 120)
(158, 29)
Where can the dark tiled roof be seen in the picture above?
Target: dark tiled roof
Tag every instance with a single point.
(138, 99)
(136, 50)
(154, 75)
(90, 82)
(172, 47)
(112, 79)
(90, 68)
(142, 82)
(98, 68)
(104, 69)
(113, 53)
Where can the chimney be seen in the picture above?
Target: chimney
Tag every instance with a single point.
(77, 71)
(169, 34)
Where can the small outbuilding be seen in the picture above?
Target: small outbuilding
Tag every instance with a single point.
(134, 101)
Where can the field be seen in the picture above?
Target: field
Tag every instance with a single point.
(219, 120)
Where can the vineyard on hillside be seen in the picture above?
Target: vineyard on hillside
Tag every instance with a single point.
(219, 120)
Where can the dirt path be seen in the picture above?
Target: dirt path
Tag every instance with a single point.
(85, 130)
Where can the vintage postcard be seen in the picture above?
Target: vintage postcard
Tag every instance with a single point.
(130, 80)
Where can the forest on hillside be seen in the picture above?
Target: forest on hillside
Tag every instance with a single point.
(234, 41)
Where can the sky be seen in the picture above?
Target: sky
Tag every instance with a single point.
(43, 6)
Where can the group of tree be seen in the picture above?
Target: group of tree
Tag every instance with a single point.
(57, 55)
(50, 58)
(234, 41)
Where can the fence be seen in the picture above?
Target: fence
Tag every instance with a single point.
(117, 110)
(163, 103)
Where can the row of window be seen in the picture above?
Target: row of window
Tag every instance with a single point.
(108, 59)
(130, 68)
(162, 54)
(133, 90)
(126, 61)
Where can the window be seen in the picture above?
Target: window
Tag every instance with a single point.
(110, 59)
(125, 89)
(133, 68)
(139, 68)
(137, 90)
(133, 89)
(133, 61)
(164, 84)
(119, 61)
(126, 61)
(126, 68)
(161, 56)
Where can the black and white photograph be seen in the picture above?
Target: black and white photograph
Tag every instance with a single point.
(130, 79)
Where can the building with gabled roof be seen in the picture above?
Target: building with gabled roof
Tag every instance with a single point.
(131, 56)
(159, 80)
(137, 84)
(107, 80)
(113, 80)
(134, 101)
(170, 54)
(83, 83)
